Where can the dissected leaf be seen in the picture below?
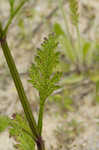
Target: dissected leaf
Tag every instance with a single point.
(58, 29)
(42, 73)
(22, 133)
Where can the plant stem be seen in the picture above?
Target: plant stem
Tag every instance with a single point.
(80, 54)
(19, 86)
(12, 16)
(21, 92)
(67, 36)
(40, 118)
(65, 17)
(40, 144)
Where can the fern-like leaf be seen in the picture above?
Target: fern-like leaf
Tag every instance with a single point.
(42, 71)
(21, 132)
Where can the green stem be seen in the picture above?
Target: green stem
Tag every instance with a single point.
(12, 16)
(64, 17)
(80, 54)
(19, 86)
(40, 118)
(68, 42)
(22, 96)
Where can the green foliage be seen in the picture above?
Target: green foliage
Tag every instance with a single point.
(11, 2)
(19, 129)
(74, 11)
(94, 76)
(72, 79)
(63, 100)
(22, 28)
(68, 103)
(79, 53)
(65, 43)
(4, 123)
(42, 73)
(86, 48)
(13, 13)
(21, 132)
(44, 77)
(97, 91)
(58, 30)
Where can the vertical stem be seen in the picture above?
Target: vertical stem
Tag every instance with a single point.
(13, 15)
(68, 41)
(80, 53)
(18, 84)
(40, 144)
(65, 17)
(40, 118)
(23, 99)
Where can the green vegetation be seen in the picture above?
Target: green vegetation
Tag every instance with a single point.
(80, 52)
(42, 78)
(41, 73)
(45, 73)
(4, 123)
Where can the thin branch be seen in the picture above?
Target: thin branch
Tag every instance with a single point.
(15, 75)
(12, 16)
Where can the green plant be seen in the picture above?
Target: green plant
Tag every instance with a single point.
(79, 53)
(97, 92)
(4, 122)
(80, 56)
(43, 78)
(41, 73)
(63, 100)
(20, 130)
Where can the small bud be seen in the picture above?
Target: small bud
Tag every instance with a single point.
(13, 116)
